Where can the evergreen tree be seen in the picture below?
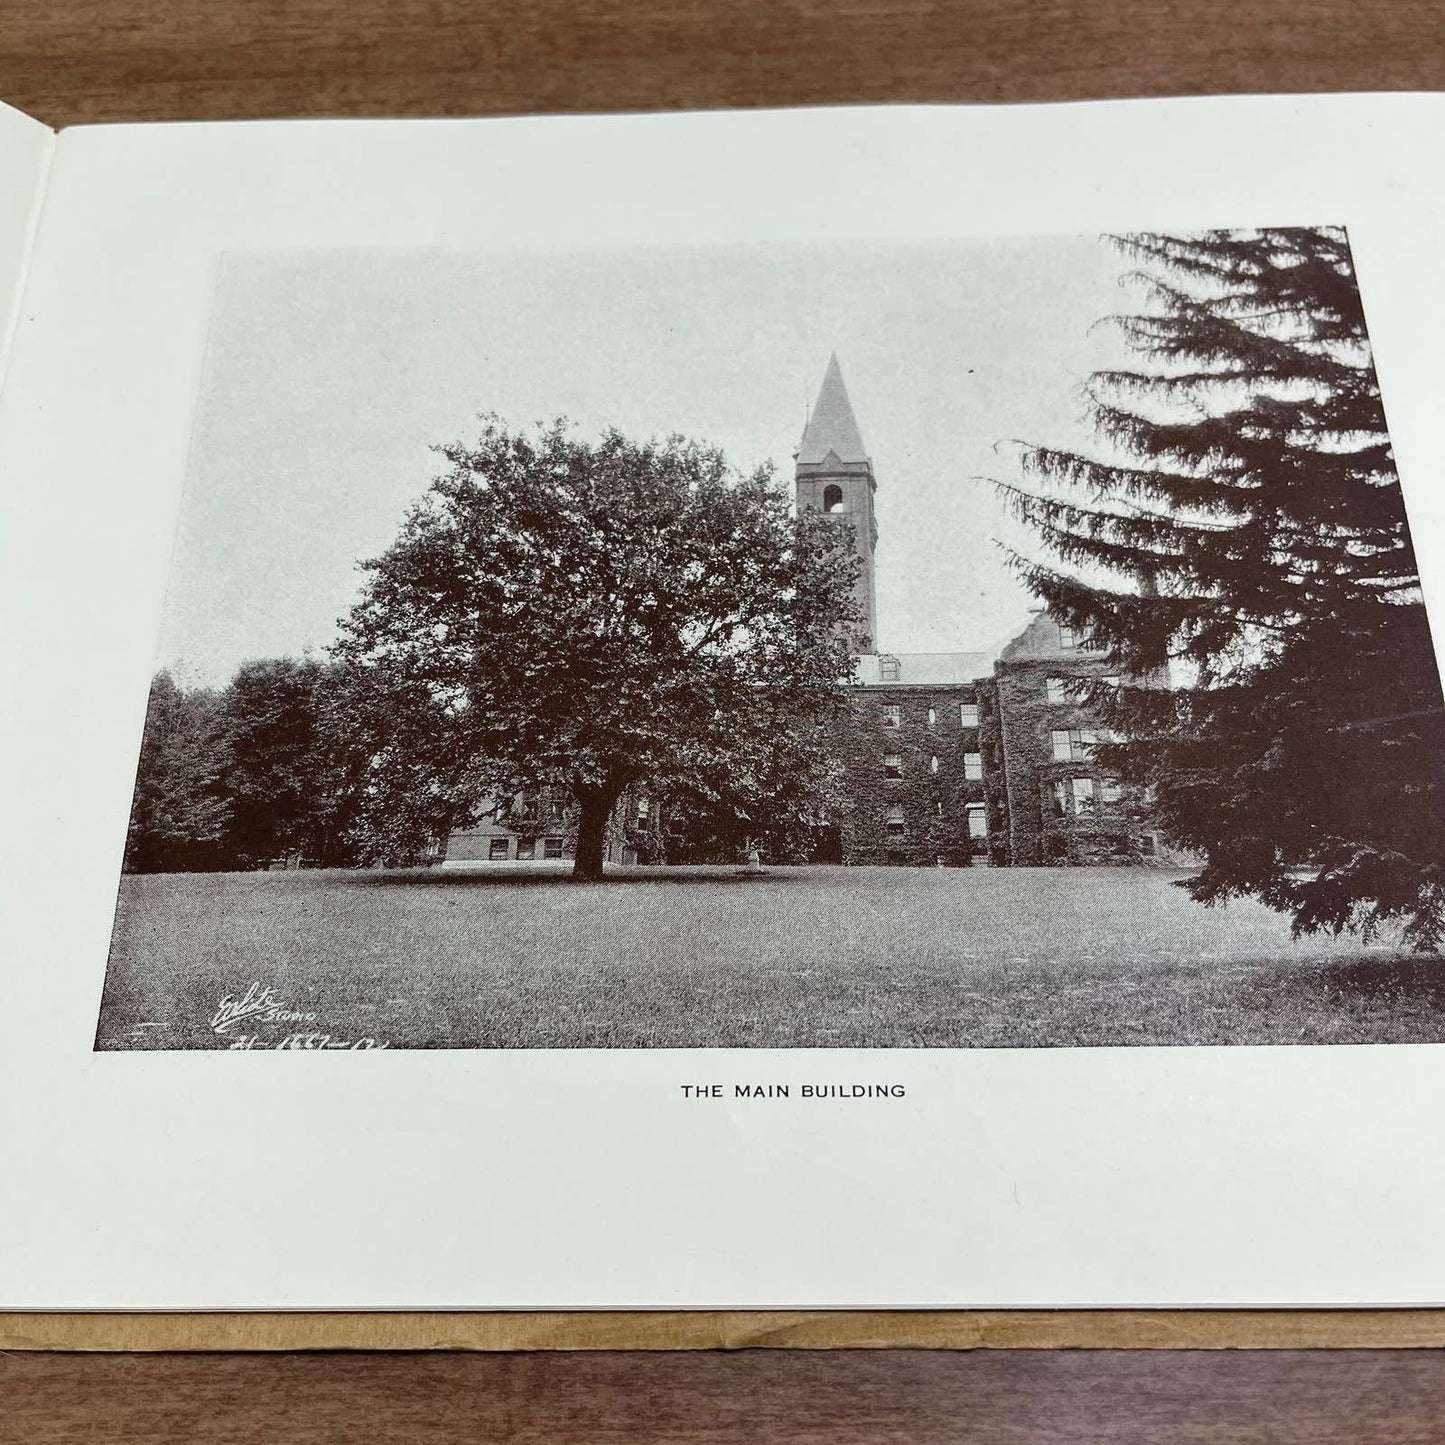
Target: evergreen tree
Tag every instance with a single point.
(1238, 543)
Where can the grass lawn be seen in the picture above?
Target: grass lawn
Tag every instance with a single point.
(681, 958)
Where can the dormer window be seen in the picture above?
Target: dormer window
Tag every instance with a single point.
(1068, 637)
(832, 498)
(888, 668)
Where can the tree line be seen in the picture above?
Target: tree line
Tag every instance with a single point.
(239, 776)
(273, 768)
(558, 619)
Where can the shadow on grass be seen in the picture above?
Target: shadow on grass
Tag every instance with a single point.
(529, 878)
(1373, 982)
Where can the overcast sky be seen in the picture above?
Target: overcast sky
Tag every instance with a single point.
(329, 375)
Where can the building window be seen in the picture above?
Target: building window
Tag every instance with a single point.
(1074, 796)
(497, 849)
(832, 498)
(888, 668)
(933, 765)
(1068, 637)
(644, 812)
(973, 767)
(1110, 790)
(1060, 690)
(551, 847)
(895, 823)
(526, 849)
(1072, 745)
(893, 766)
(891, 716)
(968, 714)
(977, 821)
(932, 716)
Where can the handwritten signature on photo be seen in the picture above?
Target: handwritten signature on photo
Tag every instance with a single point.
(260, 1005)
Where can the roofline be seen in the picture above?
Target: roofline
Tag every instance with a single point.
(961, 682)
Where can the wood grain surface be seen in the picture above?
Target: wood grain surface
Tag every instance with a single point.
(135, 60)
(804, 1398)
(730, 1330)
(104, 60)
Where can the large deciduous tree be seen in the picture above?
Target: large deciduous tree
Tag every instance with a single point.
(1238, 541)
(583, 617)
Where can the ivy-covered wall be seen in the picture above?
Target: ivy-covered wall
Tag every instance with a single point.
(1039, 831)
(929, 798)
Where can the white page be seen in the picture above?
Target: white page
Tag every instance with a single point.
(555, 1178)
(25, 150)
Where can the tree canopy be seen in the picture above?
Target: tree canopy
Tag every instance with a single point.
(289, 777)
(1238, 542)
(562, 615)
(179, 811)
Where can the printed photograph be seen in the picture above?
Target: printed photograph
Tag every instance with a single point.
(1011, 643)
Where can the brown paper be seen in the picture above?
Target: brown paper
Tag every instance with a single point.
(713, 1329)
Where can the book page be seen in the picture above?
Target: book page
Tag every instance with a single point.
(25, 150)
(457, 858)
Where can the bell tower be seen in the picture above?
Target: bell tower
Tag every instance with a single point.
(835, 476)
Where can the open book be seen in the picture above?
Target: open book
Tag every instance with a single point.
(823, 709)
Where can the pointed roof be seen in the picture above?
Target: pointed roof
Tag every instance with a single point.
(832, 427)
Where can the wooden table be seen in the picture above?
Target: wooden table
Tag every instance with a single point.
(99, 60)
(803, 1398)
(111, 60)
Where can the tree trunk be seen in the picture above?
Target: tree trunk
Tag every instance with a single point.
(596, 805)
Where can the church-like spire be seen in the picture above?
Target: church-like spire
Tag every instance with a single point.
(832, 428)
(835, 476)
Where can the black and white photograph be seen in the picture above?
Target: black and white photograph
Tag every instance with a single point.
(1007, 643)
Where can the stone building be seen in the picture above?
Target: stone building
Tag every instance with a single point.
(948, 759)
(966, 757)
(533, 830)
